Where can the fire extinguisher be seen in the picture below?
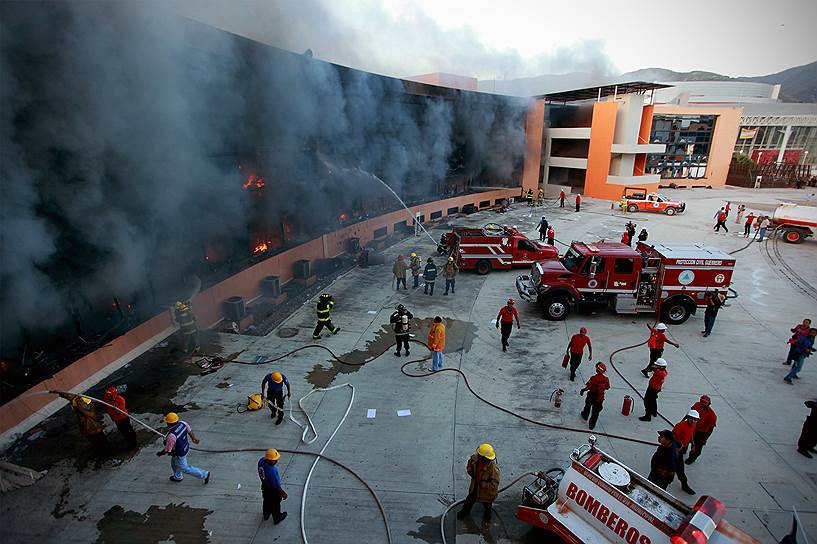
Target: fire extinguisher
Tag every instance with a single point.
(557, 402)
(627, 406)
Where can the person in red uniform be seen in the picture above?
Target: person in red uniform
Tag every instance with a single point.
(683, 432)
(625, 238)
(595, 387)
(506, 316)
(578, 203)
(120, 419)
(576, 349)
(653, 388)
(551, 235)
(658, 338)
(562, 198)
(703, 430)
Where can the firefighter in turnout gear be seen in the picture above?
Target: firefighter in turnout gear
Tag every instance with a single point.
(402, 328)
(541, 200)
(450, 271)
(529, 197)
(325, 305)
(415, 264)
(429, 276)
(187, 326)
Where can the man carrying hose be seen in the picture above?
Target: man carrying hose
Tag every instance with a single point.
(91, 425)
(272, 389)
(484, 473)
(177, 444)
(120, 416)
(658, 338)
(271, 488)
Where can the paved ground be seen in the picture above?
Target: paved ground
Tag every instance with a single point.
(416, 463)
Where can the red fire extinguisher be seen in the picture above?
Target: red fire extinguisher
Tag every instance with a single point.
(627, 406)
(557, 402)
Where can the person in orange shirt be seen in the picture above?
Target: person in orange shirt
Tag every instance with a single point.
(120, 416)
(436, 341)
(653, 388)
(595, 387)
(656, 342)
(704, 427)
(683, 432)
(576, 349)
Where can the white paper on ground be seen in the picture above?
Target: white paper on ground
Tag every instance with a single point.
(371, 413)
(403, 413)
(372, 312)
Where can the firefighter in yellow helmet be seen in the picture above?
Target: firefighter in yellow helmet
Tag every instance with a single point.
(325, 305)
(529, 197)
(271, 489)
(187, 326)
(484, 473)
(272, 389)
(415, 264)
(450, 271)
(91, 424)
(541, 200)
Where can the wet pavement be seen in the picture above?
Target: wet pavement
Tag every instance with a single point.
(416, 463)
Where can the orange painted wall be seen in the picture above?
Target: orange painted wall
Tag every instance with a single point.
(643, 138)
(602, 130)
(534, 126)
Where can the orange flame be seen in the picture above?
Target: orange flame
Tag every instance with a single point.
(260, 248)
(254, 182)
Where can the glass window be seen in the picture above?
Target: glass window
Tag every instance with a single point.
(688, 138)
(572, 260)
(624, 266)
(525, 245)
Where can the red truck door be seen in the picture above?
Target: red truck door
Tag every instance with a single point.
(523, 252)
(623, 274)
(592, 276)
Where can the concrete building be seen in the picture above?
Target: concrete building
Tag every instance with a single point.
(780, 133)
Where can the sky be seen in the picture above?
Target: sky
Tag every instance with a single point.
(524, 38)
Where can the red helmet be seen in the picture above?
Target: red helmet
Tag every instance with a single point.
(601, 367)
(112, 391)
(583, 330)
(511, 302)
(705, 399)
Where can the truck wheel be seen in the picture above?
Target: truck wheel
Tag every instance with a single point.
(675, 312)
(793, 236)
(483, 267)
(632, 208)
(556, 308)
(670, 211)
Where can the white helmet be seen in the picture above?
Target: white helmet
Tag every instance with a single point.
(660, 362)
(661, 327)
(694, 414)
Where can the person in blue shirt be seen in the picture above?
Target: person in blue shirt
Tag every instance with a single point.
(271, 488)
(802, 349)
(274, 382)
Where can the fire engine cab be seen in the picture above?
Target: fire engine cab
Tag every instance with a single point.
(598, 500)
(493, 247)
(670, 280)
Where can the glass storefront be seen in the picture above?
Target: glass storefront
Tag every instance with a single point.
(762, 143)
(687, 138)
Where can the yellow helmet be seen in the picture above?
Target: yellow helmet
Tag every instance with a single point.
(86, 400)
(277, 377)
(181, 305)
(171, 417)
(451, 259)
(272, 455)
(413, 254)
(487, 451)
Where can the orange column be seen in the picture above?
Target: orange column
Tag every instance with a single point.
(602, 130)
(534, 124)
(643, 138)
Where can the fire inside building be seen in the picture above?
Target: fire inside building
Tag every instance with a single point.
(165, 155)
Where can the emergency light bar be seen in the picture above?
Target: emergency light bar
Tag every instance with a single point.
(699, 526)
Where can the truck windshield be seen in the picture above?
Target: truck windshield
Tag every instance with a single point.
(572, 260)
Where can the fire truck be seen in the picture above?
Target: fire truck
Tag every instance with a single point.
(671, 280)
(598, 500)
(493, 247)
(636, 199)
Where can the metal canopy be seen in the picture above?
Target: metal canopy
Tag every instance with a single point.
(594, 93)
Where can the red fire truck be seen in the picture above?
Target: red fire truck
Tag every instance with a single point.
(599, 500)
(493, 247)
(670, 280)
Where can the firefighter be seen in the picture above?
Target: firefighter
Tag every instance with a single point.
(415, 265)
(747, 225)
(272, 389)
(551, 235)
(542, 227)
(177, 444)
(643, 235)
(187, 326)
(402, 327)
(807, 443)
(656, 344)
(653, 388)
(595, 387)
(704, 427)
(450, 272)
(325, 305)
(120, 418)
(429, 276)
(271, 489)
(720, 220)
(91, 425)
(625, 238)
(541, 200)
(683, 432)
(630, 226)
(562, 198)
(529, 198)
(713, 301)
(484, 486)
(436, 341)
(505, 317)
(576, 349)
(664, 462)
(578, 203)
(399, 270)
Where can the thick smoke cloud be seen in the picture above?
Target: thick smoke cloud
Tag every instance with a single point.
(122, 126)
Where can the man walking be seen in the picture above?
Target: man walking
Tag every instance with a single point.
(578, 202)
(576, 350)
(703, 429)
(272, 389)
(747, 225)
(402, 328)
(436, 341)
(416, 263)
(399, 270)
(807, 443)
(551, 235)
(177, 444)
(429, 276)
(683, 432)
(562, 198)
(798, 331)
(542, 227)
(720, 219)
(325, 305)
(654, 387)
(714, 302)
(484, 487)
(762, 226)
(505, 318)
(665, 460)
(120, 417)
(656, 343)
(803, 349)
(595, 387)
(90, 422)
(450, 272)
(271, 489)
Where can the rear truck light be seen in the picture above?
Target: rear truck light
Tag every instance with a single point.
(701, 523)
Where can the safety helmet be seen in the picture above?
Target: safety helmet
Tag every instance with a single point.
(487, 451)
(660, 362)
(111, 391)
(400, 307)
(601, 367)
(661, 327)
(404, 319)
(171, 417)
(181, 305)
(430, 260)
(583, 330)
(86, 400)
(277, 377)
(400, 257)
(511, 302)
(694, 414)
(413, 254)
(324, 296)
(272, 455)
(706, 400)
(451, 259)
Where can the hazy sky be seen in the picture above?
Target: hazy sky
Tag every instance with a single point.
(519, 38)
